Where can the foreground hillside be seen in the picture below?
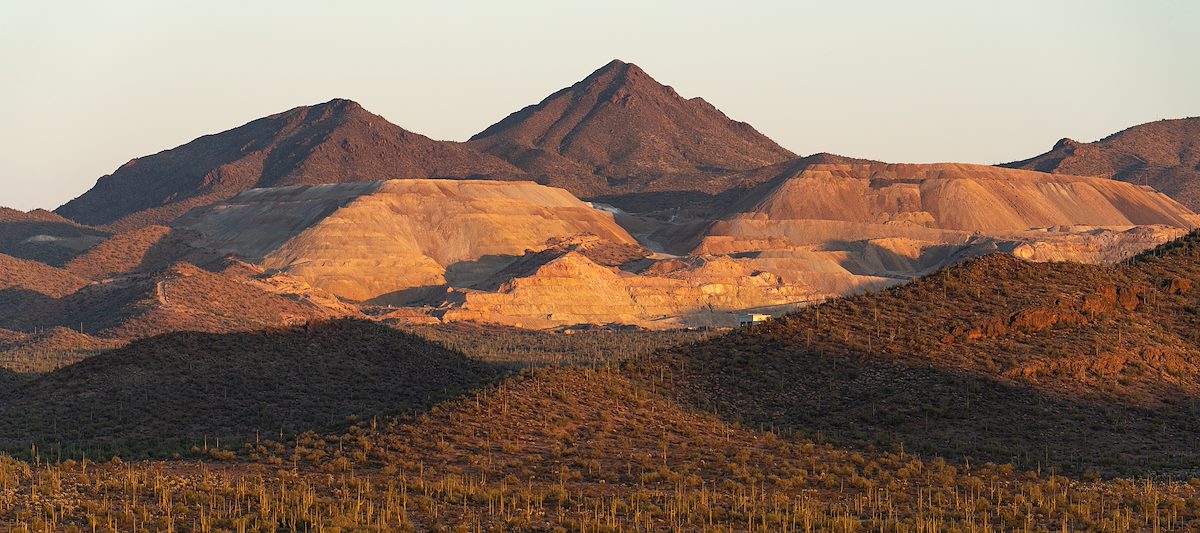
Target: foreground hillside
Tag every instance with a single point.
(575, 450)
(165, 394)
(1084, 368)
(1163, 154)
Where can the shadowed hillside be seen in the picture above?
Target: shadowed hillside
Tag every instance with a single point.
(580, 450)
(45, 237)
(1083, 367)
(169, 392)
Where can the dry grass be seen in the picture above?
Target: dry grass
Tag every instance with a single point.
(574, 450)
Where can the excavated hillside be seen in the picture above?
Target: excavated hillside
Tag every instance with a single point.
(903, 220)
(392, 241)
(1089, 368)
(619, 130)
(1163, 154)
(182, 389)
(566, 288)
(516, 253)
(334, 142)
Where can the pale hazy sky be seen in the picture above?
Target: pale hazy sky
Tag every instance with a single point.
(87, 85)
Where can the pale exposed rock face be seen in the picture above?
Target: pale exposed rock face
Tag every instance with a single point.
(937, 202)
(571, 289)
(362, 241)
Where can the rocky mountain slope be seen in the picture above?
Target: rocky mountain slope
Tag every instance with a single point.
(619, 130)
(334, 142)
(48, 350)
(1163, 154)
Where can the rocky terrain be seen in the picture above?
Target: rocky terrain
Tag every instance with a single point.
(619, 131)
(899, 220)
(1163, 154)
(529, 255)
(1028, 396)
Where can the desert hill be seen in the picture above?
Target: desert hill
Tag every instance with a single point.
(48, 350)
(1089, 368)
(42, 236)
(619, 130)
(143, 251)
(575, 449)
(171, 392)
(179, 298)
(37, 278)
(334, 142)
(1163, 154)
(392, 240)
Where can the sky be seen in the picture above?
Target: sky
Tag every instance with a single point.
(86, 86)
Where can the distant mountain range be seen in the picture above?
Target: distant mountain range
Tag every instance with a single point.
(617, 135)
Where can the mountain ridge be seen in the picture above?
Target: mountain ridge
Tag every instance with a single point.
(1163, 154)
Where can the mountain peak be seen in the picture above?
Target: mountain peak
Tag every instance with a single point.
(619, 130)
(1065, 142)
(336, 141)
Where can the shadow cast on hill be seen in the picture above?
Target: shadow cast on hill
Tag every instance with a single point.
(167, 393)
(65, 241)
(860, 400)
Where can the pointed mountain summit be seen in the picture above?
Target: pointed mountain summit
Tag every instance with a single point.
(1163, 154)
(619, 130)
(334, 142)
